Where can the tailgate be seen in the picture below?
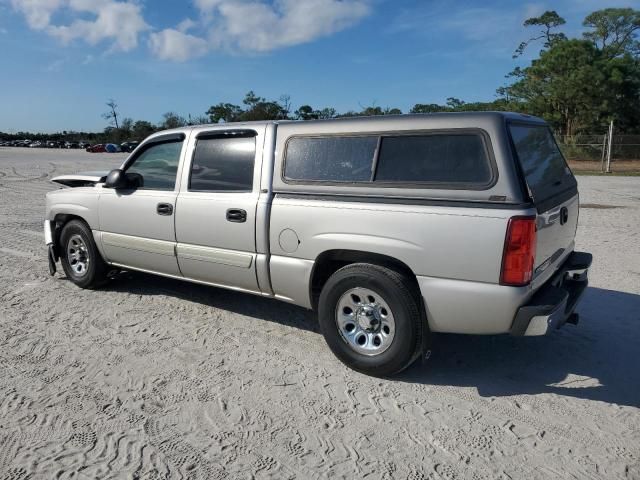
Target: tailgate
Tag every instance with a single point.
(556, 229)
(553, 190)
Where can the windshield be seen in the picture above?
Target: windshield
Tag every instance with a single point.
(544, 167)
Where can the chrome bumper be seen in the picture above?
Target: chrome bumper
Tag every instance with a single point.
(554, 303)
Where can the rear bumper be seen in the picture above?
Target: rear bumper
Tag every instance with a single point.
(554, 303)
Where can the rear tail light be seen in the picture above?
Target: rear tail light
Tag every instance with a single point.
(519, 252)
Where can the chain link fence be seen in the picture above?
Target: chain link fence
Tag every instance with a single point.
(594, 147)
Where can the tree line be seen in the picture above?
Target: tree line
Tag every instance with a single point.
(577, 84)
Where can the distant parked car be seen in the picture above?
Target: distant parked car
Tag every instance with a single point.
(71, 145)
(84, 145)
(36, 144)
(96, 148)
(112, 148)
(129, 146)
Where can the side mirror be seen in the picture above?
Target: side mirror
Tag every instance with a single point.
(116, 179)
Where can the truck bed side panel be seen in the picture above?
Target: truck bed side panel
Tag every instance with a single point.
(456, 244)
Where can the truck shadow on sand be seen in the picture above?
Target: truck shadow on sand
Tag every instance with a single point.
(596, 360)
(260, 308)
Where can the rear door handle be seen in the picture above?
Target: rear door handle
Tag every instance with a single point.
(236, 215)
(164, 209)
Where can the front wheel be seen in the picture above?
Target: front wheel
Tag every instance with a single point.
(81, 261)
(371, 319)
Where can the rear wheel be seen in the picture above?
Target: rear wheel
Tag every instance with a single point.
(81, 261)
(371, 320)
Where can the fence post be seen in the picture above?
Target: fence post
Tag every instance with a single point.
(604, 151)
(609, 147)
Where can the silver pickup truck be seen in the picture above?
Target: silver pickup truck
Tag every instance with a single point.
(391, 228)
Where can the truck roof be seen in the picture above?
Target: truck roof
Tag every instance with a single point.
(382, 119)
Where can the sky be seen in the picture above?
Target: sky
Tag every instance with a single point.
(62, 60)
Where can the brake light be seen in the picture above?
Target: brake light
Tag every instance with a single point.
(519, 252)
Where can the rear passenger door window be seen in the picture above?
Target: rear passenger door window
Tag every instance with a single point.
(223, 164)
(337, 159)
(439, 158)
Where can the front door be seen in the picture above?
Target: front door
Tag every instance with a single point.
(216, 209)
(137, 224)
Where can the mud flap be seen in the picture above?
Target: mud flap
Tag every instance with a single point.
(425, 351)
(52, 260)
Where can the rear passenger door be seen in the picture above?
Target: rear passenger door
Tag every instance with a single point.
(216, 208)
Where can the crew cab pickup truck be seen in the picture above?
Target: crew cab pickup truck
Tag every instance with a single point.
(391, 228)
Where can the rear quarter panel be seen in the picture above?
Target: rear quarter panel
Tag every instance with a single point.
(455, 253)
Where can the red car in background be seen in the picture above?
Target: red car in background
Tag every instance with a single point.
(96, 148)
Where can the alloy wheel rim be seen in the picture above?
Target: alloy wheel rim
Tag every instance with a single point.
(365, 321)
(78, 255)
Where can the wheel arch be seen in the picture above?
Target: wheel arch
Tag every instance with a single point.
(60, 220)
(330, 261)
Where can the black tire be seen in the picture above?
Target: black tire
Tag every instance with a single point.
(400, 295)
(95, 273)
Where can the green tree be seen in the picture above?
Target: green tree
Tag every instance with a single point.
(327, 112)
(198, 120)
(126, 125)
(549, 20)
(456, 105)
(428, 108)
(141, 130)
(614, 30)
(224, 112)
(306, 112)
(258, 108)
(372, 111)
(172, 120)
(560, 85)
(580, 85)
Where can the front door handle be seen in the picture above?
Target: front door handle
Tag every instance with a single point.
(164, 209)
(236, 215)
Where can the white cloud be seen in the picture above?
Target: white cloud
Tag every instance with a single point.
(175, 45)
(115, 21)
(237, 25)
(37, 12)
(54, 66)
(258, 26)
(186, 25)
(488, 30)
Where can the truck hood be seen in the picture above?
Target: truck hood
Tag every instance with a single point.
(82, 179)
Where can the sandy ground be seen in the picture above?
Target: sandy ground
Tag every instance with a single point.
(153, 378)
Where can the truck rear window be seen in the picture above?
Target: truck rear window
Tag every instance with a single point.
(545, 170)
